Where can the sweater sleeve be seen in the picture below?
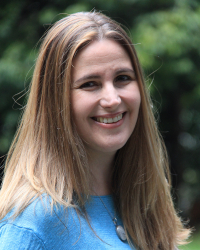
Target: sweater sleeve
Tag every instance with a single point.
(13, 237)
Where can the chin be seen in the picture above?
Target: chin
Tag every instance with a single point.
(112, 148)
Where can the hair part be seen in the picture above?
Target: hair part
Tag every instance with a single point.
(48, 156)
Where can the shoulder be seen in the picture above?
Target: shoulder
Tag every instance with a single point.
(13, 237)
(37, 227)
(34, 217)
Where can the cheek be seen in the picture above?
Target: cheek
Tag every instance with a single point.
(81, 105)
(133, 98)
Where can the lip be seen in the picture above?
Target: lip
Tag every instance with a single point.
(111, 125)
(109, 115)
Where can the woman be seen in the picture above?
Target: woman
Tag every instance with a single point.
(87, 168)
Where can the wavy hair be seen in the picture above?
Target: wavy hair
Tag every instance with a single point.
(48, 156)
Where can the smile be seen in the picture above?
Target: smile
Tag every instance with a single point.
(108, 119)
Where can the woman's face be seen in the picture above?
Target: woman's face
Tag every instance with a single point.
(105, 96)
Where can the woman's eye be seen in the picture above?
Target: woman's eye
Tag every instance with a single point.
(88, 85)
(123, 78)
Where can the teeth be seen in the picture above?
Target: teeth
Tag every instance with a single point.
(119, 117)
(105, 120)
(109, 120)
(115, 119)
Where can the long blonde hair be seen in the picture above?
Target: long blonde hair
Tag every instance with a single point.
(48, 156)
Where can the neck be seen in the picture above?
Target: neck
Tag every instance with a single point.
(101, 165)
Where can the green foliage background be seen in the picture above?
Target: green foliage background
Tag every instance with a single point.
(167, 37)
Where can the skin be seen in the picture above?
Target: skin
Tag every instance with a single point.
(104, 85)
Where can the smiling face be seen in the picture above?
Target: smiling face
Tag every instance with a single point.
(105, 96)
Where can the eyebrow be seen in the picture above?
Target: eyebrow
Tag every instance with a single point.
(96, 76)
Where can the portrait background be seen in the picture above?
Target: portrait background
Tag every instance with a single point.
(166, 35)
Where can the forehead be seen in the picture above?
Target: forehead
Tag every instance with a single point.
(101, 55)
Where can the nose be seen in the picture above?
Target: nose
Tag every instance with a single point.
(110, 98)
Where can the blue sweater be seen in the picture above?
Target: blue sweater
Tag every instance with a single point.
(36, 228)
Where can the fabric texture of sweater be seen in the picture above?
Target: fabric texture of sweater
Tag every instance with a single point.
(37, 228)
